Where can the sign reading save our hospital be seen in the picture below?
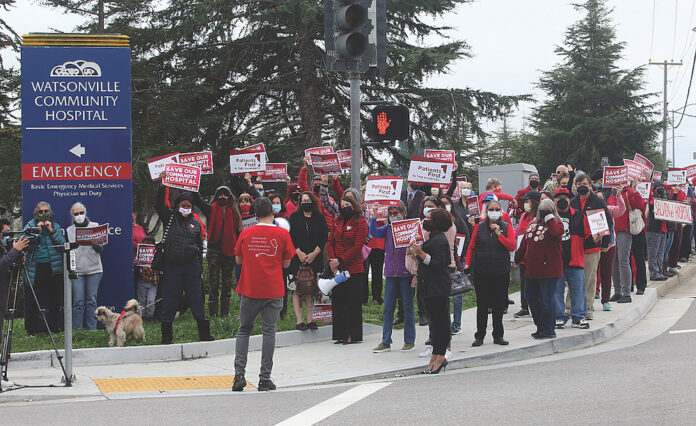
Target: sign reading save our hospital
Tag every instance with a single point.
(76, 142)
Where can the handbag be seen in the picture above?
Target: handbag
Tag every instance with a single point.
(306, 284)
(461, 283)
(158, 258)
(635, 220)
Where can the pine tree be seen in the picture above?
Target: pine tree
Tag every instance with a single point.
(594, 109)
(10, 150)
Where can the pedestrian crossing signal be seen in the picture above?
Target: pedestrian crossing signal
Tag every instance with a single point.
(390, 122)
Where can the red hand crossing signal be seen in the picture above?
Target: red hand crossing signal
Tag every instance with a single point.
(390, 122)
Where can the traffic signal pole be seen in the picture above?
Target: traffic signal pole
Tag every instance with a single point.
(354, 78)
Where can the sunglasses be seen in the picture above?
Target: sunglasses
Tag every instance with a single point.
(493, 210)
(78, 213)
(44, 211)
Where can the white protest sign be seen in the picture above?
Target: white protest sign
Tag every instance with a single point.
(676, 176)
(384, 189)
(242, 161)
(431, 171)
(598, 222)
(156, 165)
(672, 211)
(643, 189)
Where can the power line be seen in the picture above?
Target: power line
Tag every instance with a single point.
(674, 38)
(686, 101)
(652, 36)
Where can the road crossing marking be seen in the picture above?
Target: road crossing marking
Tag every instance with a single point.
(691, 330)
(333, 405)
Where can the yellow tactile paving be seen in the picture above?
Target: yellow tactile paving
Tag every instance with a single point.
(143, 384)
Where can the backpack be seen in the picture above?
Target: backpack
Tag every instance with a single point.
(306, 281)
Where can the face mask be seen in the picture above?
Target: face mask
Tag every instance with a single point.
(533, 184)
(494, 215)
(294, 197)
(583, 190)
(394, 218)
(316, 189)
(184, 211)
(426, 210)
(222, 201)
(562, 204)
(448, 207)
(277, 208)
(6, 240)
(80, 219)
(41, 217)
(527, 207)
(427, 225)
(306, 207)
(245, 208)
(346, 211)
(466, 192)
(434, 191)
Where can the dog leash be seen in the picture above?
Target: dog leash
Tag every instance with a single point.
(125, 314)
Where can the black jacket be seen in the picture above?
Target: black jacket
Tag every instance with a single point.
(413, 210)
(434, 278)
(7, 258)
(184, 243)
(307, 234)
(491, 257)
(594, 203)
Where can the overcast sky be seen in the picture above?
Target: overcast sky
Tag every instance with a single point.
(514, 40)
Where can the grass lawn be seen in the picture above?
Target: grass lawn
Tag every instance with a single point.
(185, 328)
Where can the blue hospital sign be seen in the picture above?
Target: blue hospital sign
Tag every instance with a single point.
(76, 141)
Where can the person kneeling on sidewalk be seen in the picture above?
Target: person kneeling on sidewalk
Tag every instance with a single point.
(267, 249)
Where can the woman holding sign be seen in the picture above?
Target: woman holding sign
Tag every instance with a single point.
(89, 270)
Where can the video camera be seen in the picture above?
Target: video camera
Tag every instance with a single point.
(32, 234)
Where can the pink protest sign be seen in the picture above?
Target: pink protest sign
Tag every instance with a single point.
(202, 160)
(407, 231)
(183, 177)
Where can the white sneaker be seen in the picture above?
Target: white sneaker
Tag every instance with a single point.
(427, 352)
(448, 354)
(7, 384)
(675, 271)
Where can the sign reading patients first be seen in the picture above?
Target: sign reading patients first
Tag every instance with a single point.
(76, 141)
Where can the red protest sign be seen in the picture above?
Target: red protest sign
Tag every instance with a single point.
(275, 172)
(322, 313)
(615, 176)
(472, 204)
(657, 175)
(634, 170)
(672, 211)
(384, 189)
(202, 160)
(144, 254)
(440, 154)
(183, 177)
(95, 236)
(407, 231)
(344, 159)
(691, 171)
(598, 222)
(382, 210)
(324, 164)
(317, 150)
(257, 148)
(156, 164)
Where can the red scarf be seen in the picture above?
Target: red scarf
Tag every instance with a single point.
(229, 240)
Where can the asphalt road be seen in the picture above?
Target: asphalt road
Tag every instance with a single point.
(648, 383)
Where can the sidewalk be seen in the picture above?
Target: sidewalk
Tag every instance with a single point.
(321, 362)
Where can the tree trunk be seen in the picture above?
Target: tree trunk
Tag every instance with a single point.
(309, 94)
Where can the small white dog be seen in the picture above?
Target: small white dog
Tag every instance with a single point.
(119, 326)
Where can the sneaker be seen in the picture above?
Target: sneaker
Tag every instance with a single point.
(301, 326)
(589, 315)
(606, 306)
(581, 324)
(312, 326)
(615, 297)
(448, 354)
(560, 324)
(382, 347)
(624, 299)
(660, 278)
(522, 313)
(673, 271)
(456, 329)
(7, 384)
(239, 383)
(427, 352)
(596, 296)
(408, 347)
(266, 385)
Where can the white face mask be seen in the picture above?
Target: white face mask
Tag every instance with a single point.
(466, 192)
(493, 216)
(184, 211)
(434, 191)
(448, 207)
(80, 219)
(426, 210)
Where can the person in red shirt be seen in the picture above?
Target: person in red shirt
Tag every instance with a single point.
(345, 244)
(267, 249)
(520, 198)
(541, 250)
(530, 203)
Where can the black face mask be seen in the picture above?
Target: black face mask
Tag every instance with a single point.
(316, 189)
(222, 201)
(660, 192)
(583, 190)
(295, 196)
(533, 184)
(346, 211)
(306, 207)
(562, 204)
(427, 225)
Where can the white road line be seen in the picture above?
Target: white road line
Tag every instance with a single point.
(691, 330)
(332, 406)
(76, 128)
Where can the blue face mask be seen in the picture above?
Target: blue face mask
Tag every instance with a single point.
(426, 210)
(6, 240)
(277, 208)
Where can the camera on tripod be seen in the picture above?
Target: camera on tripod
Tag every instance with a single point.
(32, 234)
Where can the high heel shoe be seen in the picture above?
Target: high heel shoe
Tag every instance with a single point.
(442, 367)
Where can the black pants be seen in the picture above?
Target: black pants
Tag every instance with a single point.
(440, 333)
(491, 292)
(346, 309)
(523, 290)
(49, 292)
(179, 278)
(637, 246)
(422, 307)
(686, 243)
(376, 262)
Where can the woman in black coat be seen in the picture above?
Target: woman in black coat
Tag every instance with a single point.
(434, 277)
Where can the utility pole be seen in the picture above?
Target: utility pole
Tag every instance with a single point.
(664, 64)
(354, 78)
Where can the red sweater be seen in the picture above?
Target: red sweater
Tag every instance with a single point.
(346, 241)
(542, 256)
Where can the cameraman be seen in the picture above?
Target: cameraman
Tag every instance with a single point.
(7, 258)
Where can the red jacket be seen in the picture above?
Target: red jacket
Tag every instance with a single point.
(542, 256)
(346, 241)
(520, 201)
(636, 201)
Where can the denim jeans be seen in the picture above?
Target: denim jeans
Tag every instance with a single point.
(541, 304)
(398, 287)
(622, 275)
(84, 301)
(575, 277)
(668, 245)
(457, 306)
(656, 248)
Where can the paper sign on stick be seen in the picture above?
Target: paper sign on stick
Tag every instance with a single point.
(407, 231)
(643, 189)
(145, 254)
(317, 150)
(657, 175)
(156, 164)
(431, 171)
(384, 189)
(275, 172)
(676, 176)
(598, 222)
(634, 170)
(242, 161)
(672, 211)
(183, 177)
(648, 166)
(691, 171)
(614, 176)
(324, 164)
(202, 160)
(473, 206)
(345, 159)
(96, 236)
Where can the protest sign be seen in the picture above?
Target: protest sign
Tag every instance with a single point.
(643, 189)
(657, 175)
(250, 221)
(183, 177)
(614, 176)
(427, 170)
(647, 165)
(202, 160)
(407, 231)
(598, 222)
(676, 176)
(255, 149)
(384, 189)
(439, 154)
(317, 150)
(275, 172)
(243, 161)
(382, 210)
(672, 211)
(322, 313)
(691, 171)
(95, 236)
(344, 159)
(156, 164)
(144, 254)
(324, 164)
(473, 205)
(634, 170)
(460, 239)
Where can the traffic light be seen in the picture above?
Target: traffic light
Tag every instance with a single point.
(347, 28)
(390, 122)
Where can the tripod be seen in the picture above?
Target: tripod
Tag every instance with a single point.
(10, 316)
